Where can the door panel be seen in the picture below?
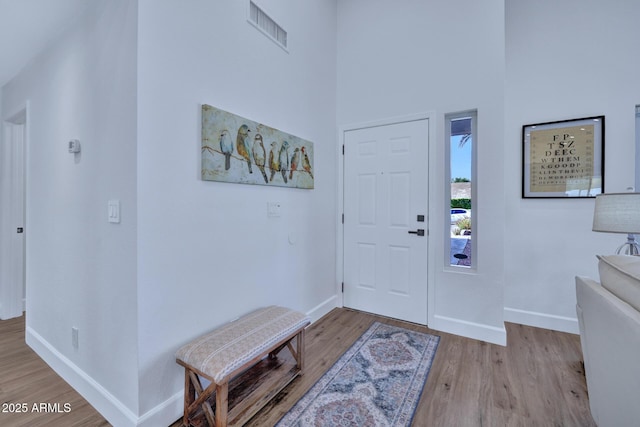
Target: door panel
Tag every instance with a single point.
(385, 188)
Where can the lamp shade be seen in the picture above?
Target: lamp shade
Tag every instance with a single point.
(617, 213)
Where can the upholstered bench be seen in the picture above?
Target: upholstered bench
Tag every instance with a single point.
(243, 363)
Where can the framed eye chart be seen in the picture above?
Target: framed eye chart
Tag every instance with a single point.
(563, 159)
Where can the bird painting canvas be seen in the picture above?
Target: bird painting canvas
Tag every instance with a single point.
(259, 155)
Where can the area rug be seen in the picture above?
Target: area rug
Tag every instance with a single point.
(376, 383)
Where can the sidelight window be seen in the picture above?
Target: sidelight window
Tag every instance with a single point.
(460, 178)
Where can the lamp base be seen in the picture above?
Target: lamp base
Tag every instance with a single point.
(630, 247)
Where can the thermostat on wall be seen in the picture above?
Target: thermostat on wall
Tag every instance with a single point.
(74, 146)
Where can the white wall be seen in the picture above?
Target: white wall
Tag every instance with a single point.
(400, 58)
(190, 255)
(81, 270)
(207, 251)
(564, 60)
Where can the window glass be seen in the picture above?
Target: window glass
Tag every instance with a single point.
(461, 145)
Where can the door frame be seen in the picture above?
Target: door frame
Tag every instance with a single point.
(12, 290)
(430, 116)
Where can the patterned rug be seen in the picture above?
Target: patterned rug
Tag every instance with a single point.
(376, 383)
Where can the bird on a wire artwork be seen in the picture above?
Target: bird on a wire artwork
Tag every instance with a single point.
(259, 154)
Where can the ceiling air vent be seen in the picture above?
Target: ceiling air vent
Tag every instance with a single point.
(268, 26)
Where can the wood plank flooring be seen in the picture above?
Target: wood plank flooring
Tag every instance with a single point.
(537, 380)
(26, 379)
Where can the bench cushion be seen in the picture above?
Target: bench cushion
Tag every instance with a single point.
(222, 351)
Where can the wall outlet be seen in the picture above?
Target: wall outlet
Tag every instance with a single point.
(74, 337)
(274, 209)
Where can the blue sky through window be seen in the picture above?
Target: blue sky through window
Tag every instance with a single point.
(460, 158)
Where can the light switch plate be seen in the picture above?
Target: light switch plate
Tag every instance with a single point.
(114, 211)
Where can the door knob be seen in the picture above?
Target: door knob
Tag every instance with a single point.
(419, 232)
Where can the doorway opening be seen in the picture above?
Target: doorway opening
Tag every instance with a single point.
(13, 246)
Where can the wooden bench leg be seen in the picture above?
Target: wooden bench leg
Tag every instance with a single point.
(222, 402)
(189, 397)
(193, 387)
(300, 351)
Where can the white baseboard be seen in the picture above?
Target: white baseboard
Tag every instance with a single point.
(324, 307)
(542, 320)
(165, 413)
(477, 331)
(107, 404)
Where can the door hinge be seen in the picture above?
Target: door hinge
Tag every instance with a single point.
(343, 287)
(343, 149)
(343, 218)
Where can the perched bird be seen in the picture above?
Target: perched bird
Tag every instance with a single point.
(274, 164)
(243, 144)
(294, 162)
(226, 146)
(283, 158)
(306, 164)
(259, 155)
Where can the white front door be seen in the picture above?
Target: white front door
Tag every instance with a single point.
(385, 207)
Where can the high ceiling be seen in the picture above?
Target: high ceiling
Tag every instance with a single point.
(28, 26)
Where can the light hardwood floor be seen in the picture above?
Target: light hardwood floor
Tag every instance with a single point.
(537, 380)
(26, 379)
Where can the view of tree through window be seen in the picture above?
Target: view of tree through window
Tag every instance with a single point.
(460, 134)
